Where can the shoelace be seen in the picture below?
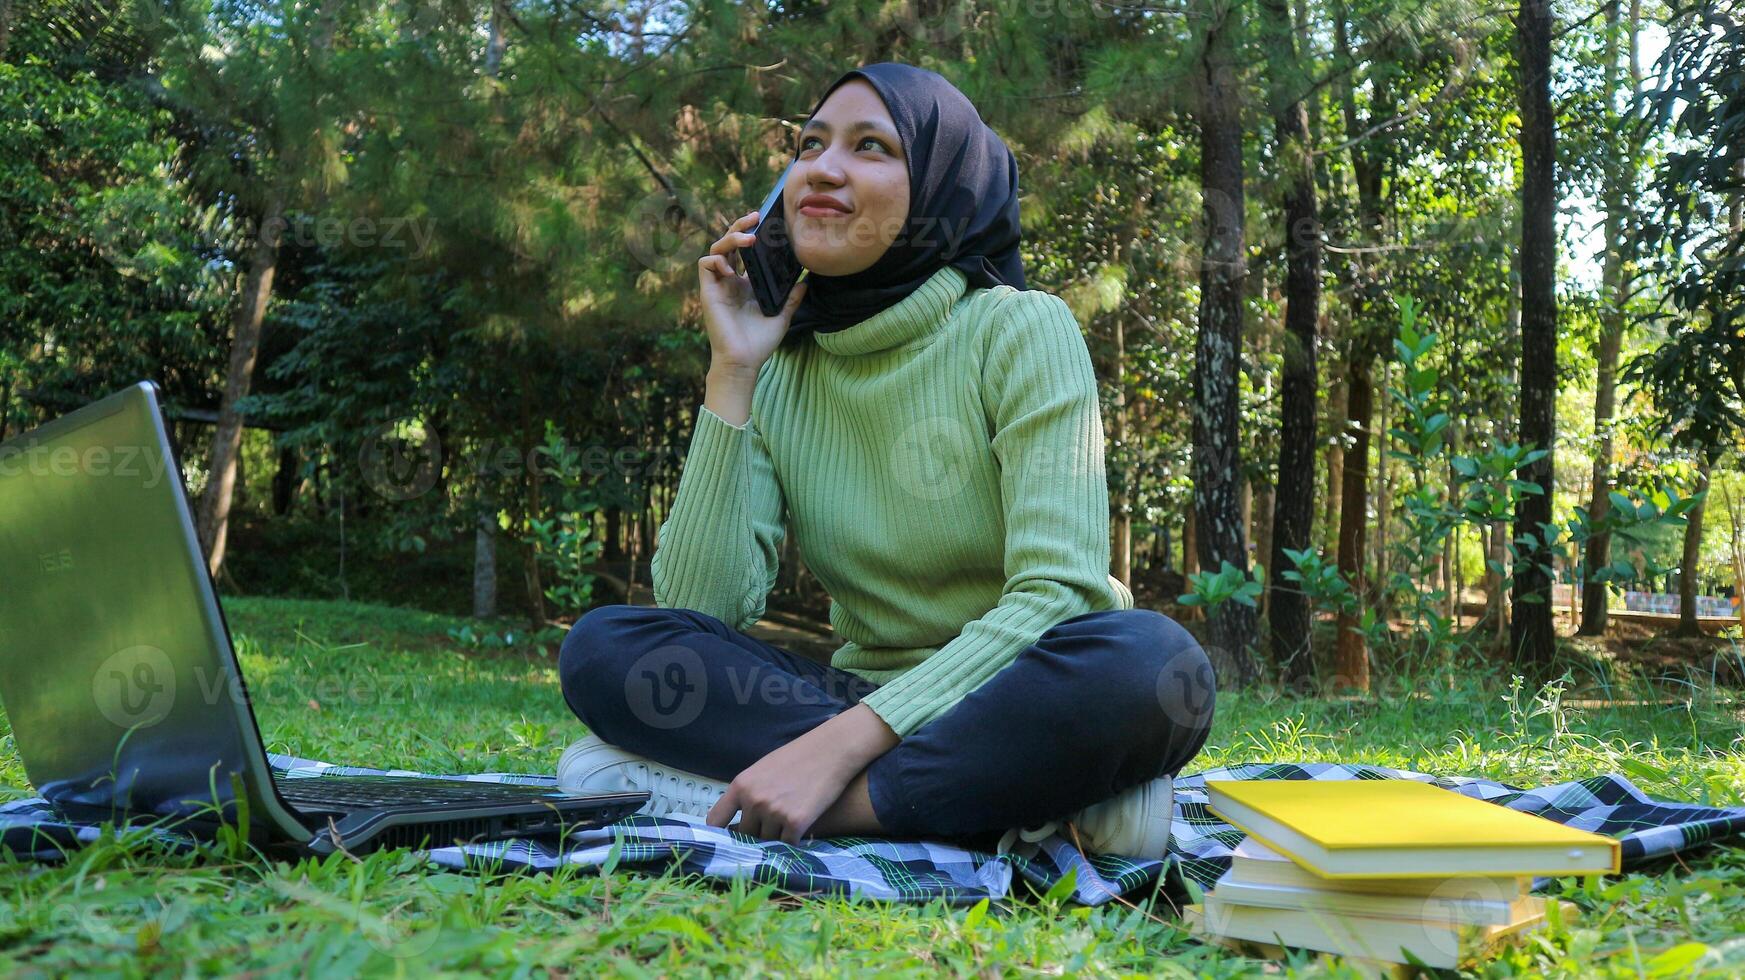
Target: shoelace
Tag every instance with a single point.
(678, 792)
(1031, 835)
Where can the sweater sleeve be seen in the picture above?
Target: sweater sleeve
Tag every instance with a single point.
(1040, 398)
(719, 548)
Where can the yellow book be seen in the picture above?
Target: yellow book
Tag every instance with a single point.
(1394, 940)
(1253, 863)
(1193, 918)
(1392, 828)
(1452, 908)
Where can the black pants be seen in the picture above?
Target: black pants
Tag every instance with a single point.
(1101, 702)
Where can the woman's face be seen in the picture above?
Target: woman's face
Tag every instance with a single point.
(849, 155)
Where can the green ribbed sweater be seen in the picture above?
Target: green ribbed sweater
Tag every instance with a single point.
(940, 465)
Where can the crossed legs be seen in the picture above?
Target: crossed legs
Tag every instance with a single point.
(1101, 702)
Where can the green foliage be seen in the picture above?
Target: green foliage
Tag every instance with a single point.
(1697, 376)
(1320, 580)
(1447, 491)
(1427, 514)
(1228, 583)
(471, 637)
(108, 270)
(1631, 519)
(564, 542)
(481, 242)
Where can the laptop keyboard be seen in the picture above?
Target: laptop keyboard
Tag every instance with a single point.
(398, 791)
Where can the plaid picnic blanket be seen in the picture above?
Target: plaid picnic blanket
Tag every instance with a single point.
(924, 870)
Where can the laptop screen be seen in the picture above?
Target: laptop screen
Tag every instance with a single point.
(115, 668)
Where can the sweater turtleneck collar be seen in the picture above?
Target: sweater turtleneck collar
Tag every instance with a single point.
(916, 315)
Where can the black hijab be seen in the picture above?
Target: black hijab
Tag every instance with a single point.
(963, 202)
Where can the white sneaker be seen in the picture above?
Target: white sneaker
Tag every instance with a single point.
(1132, 823)
(593, 765)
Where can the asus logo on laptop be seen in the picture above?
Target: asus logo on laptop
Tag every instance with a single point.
(56, 561)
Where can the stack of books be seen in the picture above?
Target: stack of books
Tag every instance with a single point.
(1385, 871)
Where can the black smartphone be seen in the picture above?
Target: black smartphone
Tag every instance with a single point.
(769, 259)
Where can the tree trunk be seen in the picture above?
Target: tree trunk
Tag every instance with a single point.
(1351, 657)
(1217, 455)
(643, 535)
(485, 525)
(497, 39)
(1335, 462)
(1121, 544)
(1459, 585)
(533, 506)
(1451, 591)
(1190, 540)
(1370, 330)
(485, 565)
(1599, 545)
(285, 481)
(1383, 504)
(1620, 179)
(1496, 597)
(1265, 502)
(1693, 552)
(1245, 512)
(244, 347)
(1350, 654)
(1451, 544)
(1533, 637)
(644, 543)
(1498, 543)
(612, 548)
(1293, 505)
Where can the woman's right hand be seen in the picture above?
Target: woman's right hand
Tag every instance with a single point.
(740, 336)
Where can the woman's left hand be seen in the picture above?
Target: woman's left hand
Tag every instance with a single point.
(784, 793)
(780, 796)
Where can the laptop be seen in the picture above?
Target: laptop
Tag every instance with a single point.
(122, 686)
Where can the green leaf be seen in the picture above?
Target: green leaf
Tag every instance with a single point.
(613, 854)
(1678, 960)
(975, 915)
(678, 925)
(1196, 894)
(1064, 888)
(1643, 770)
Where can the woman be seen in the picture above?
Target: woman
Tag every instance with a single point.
(929, 431)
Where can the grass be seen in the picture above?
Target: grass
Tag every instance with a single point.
(365, 684)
